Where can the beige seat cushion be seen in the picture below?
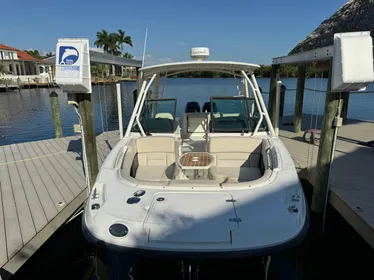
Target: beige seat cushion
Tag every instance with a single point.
(237, 159)
(156, 158)
(155, 173)
(154, 144)
(235, 174)
(234, 145)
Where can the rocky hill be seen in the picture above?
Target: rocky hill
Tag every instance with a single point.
(356, 15)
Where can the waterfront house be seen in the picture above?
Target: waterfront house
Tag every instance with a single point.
(20, 63)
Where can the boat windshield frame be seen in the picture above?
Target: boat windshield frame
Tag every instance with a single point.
(152, 74)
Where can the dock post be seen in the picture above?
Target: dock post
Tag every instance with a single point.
(277, 106)
(299, 97)
(119, 106)
(273, 92)
(86, 112)
(325, 150)
(56, 114)
(281, 100)
(345, 96)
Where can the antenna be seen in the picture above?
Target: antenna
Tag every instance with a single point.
(145, 44)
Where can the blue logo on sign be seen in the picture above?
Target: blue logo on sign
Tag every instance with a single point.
(68, 55)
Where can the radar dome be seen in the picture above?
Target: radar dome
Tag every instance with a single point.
(199, 54)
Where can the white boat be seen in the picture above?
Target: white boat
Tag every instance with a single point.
(217, 183)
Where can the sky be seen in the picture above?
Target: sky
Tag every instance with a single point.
(246, 31)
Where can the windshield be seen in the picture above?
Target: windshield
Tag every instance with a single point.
(235, 114)
(158, 116)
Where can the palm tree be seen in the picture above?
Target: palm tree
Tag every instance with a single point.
(123, 39)
(128, 55)
(104, 40)
(50, 54)
(113, 44)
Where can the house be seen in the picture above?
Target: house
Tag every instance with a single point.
(18, 62)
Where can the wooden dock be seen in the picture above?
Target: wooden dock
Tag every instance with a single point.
(352, 175)
(42, 186)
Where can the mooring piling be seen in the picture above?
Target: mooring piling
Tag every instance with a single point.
(56, 114)
(299, 97)
(326, 145)
(273, 92)
(86, 112)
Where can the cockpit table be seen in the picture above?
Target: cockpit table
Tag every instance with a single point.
(195, 165)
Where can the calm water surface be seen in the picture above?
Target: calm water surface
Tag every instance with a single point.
(26, 115)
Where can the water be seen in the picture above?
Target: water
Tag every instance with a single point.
(26, 115)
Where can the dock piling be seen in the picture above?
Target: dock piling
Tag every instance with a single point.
(56, 114)
(299, 97)
(272, 92)
(86, 112)
(326, 146)
(345, 96)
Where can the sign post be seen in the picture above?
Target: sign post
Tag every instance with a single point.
(74, 77)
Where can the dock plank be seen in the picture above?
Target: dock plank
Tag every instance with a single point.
(49, 207)
(23, 208)
(3, 243)
(76, 165)
(60, 169)
(42, 183)
(74, 155)
(61, 185)
(351, 177)
(12, 226)
(35, 206)
(53, 191)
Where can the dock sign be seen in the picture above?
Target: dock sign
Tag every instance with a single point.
(73, 65)
(68, 55)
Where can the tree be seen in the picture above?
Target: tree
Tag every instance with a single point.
(128, 55)
(112, 43)
(121, 39)
(34, 53)
(98, 70)
(50, 54)
(104, 40)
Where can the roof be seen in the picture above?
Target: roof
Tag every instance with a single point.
(356, 15)
(5, 47)
(23, 56)
(188, 66)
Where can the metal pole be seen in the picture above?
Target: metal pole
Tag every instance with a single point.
(119, 104)
(277, 106)
(145, 44)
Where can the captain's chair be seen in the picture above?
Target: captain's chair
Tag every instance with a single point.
(195, 126)
(192, 107)
(207, 107)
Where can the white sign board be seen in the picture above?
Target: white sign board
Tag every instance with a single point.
(73, 65)
(353, 61)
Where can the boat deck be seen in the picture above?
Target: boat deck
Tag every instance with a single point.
(352, 176)
(42, 186)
